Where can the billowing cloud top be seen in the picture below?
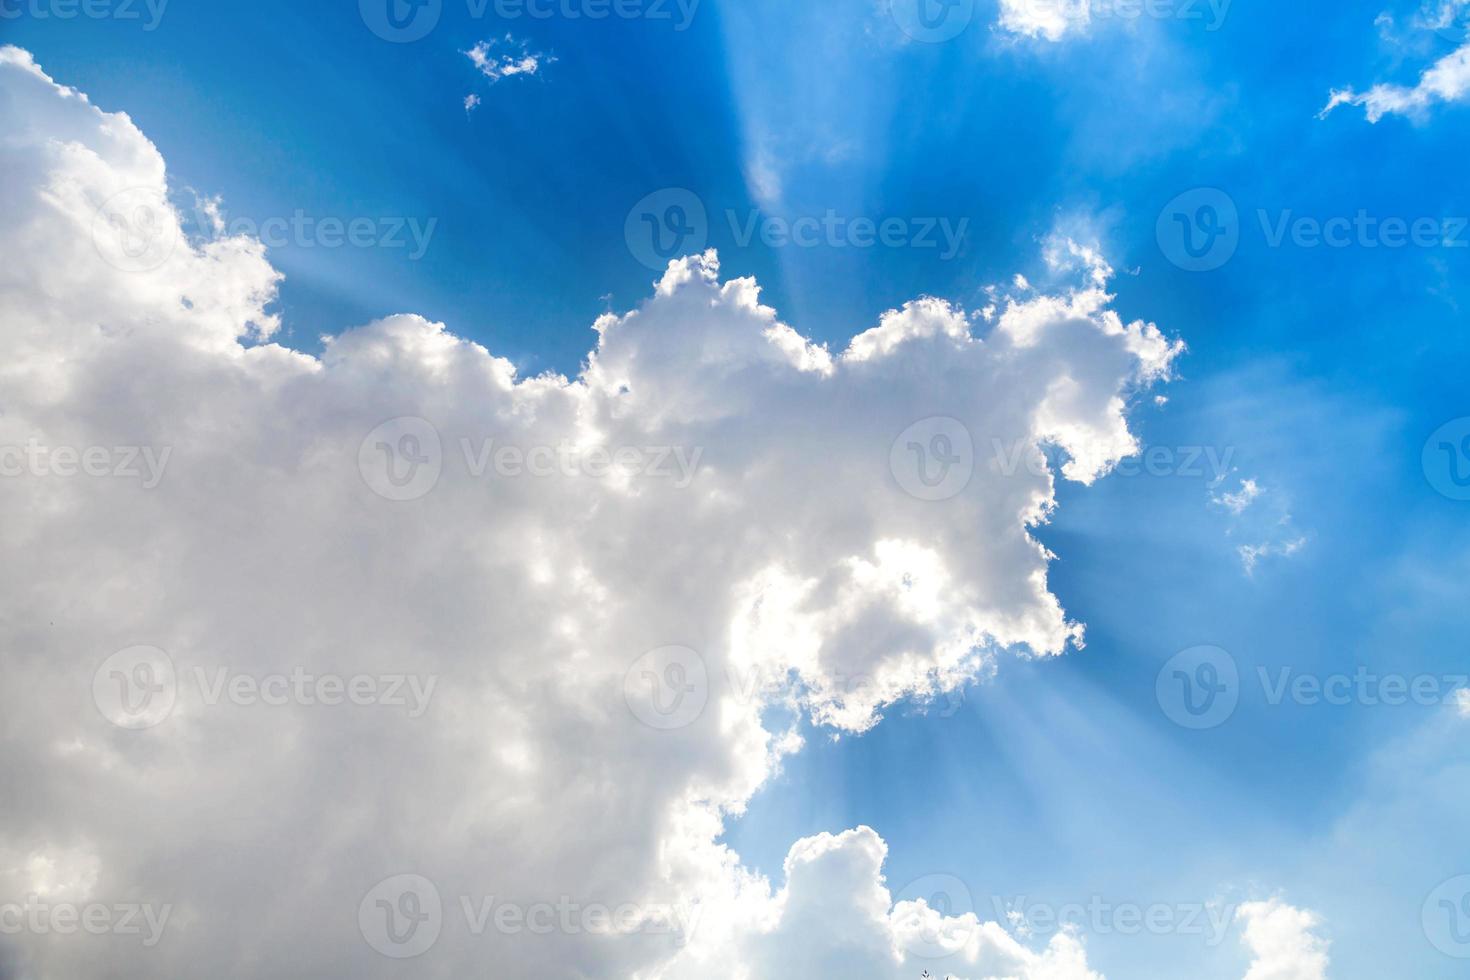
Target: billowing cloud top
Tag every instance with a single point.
(326, 661)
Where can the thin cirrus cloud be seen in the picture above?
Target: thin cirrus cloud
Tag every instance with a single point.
(766, 528)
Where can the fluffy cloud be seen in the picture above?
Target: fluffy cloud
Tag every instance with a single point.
(836, 918)
(1282, 941)
(1049, 19)
(396, 611)
(1447, 80)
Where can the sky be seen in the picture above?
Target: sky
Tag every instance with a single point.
(1044, 528)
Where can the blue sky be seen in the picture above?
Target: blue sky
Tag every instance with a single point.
(1317, 372)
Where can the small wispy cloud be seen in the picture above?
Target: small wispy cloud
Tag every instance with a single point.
(495, 63)
(1238, 501)
(471, 102)
(1270, 523)
(1250, 554)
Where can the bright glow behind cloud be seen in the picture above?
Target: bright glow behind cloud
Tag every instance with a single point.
(790, 548)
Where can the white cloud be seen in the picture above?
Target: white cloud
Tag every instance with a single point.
(793, 552)
(1462, 699)
(1251, 554)
(1447, 80)
(471, 103)
(496, 65)
(1271, 523)
(1048, 19)
(1238, 501)
(835, 917)
(1282, 941)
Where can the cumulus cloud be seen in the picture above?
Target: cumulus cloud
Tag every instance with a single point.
(835, 917)
(1283, 942)
(403, 612)
(1447, 80)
